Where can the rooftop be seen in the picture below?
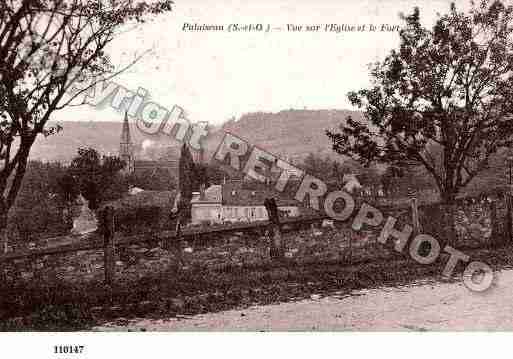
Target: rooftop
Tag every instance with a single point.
(235, 194)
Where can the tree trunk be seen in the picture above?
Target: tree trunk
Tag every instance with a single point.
(10, 192)
(496, 237)
(415, 216)
(4, 238)
(449, 206)
(509, 224)
(4, 242)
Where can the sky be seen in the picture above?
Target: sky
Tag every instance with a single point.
(214, 76)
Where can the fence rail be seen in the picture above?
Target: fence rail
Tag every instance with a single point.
(187, 234)
(108, 241)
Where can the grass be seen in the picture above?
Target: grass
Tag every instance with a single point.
(66, 307)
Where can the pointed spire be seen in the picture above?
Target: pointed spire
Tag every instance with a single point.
(125, 133)
(125, 146)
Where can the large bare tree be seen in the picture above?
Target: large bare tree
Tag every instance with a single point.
(46, 46)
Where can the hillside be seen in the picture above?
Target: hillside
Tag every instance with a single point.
(289, 134)
(103, 136)
(292, 134)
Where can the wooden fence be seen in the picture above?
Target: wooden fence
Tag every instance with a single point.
(109, 241)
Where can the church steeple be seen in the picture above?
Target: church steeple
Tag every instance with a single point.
(126, 152)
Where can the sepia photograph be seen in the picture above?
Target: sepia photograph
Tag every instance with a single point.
(273, 166)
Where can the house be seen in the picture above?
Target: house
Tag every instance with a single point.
(233, 202)
(206, 205)
(135, 190)
(86, 221)
(351, 183)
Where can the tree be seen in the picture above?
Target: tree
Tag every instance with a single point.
(153, 180)
(369, 176)
(45, 47)
(337, 172)
(333, 172)
(443, 100)
(38, 207)
(98, 178)
(186, 179)
(208, 174)
(318, 166)
(86, 169)
(68, 188)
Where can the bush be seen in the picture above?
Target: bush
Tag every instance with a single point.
(141, 219)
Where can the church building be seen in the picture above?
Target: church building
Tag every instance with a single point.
(139, 165)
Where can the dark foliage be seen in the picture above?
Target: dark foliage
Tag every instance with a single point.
(139, 219)
(186, 181)
(40, 207)
(153, 180)
(99, 178)
(442, 100)
(45, 68)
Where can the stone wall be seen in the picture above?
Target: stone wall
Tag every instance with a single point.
(474, 223)
(337, 243)
(239, 250)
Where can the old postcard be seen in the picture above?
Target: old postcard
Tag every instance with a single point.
(276, 166)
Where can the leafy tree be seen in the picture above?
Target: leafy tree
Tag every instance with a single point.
(442, 100)
(45, 47)
(333, 172)
(186, 180)
(209, 174)
(337, 172)
(317, 166)
(390, 177)
(68, 188)
(158, 180)
(369, 176)
(38, 209)
(98, 178)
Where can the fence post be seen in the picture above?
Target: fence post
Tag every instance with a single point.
(108, 242)
(178, 241)
(509, 223)
(276, 248)
(415, 216)
(178, 229)
(168, 242)
(5, 240)
(3, 266)
(175, 243)
(350, 259)
(494, 238)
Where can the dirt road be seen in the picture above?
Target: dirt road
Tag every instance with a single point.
(420, 307)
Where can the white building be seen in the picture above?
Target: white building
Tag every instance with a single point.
(351, 183)
(232, 203)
